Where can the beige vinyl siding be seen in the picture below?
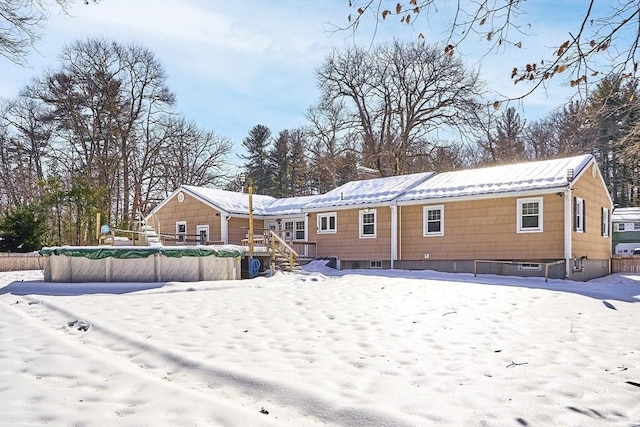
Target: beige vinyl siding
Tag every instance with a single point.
(483, 229)
(239, 229)
(346, 243)
(591, 243)
(191, 210)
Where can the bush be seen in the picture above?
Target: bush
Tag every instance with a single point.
(22, 229)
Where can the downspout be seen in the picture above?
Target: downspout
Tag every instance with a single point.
(394, 233)
(224, 229)
(567, 231)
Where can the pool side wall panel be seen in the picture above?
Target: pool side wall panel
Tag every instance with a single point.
(156, 268)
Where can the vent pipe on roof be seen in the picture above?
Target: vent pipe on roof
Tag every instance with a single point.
(569, 175)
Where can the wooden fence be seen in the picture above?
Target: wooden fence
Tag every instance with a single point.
(625, 264)
(13, 261)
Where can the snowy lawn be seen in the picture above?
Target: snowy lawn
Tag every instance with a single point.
(322, 347)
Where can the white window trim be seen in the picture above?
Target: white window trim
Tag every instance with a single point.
(296, 230)
(520, 202)
(288, 233)
(184, 235)
(328, 215)
(200, 228)
(579, 214)
(606, 222)
(425, 221)
(361, 223)
(530, 267)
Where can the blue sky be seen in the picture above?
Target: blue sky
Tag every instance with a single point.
(234, 64)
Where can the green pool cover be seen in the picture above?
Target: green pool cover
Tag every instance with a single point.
(142, 252)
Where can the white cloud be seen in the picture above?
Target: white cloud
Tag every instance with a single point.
(235, 64)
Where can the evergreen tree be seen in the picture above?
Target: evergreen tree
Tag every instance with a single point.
(613, 113)
(256, 165)
(503, 142)
(279, 165)
(298, 168)
(22, 229)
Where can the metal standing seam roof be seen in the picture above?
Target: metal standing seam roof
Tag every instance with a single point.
(368, 191)
(231, 201)
(288, 205)
(520, 177)
(626, 215)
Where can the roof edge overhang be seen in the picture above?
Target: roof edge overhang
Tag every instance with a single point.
(590, 164)
(205, 201)
(484, 196)
(363, 205)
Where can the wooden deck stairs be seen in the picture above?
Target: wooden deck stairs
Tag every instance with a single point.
(282, 255)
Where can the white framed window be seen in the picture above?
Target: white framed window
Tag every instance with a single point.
(604, 222)
(530, 218)
(203, 234)
(433, 220)
(327, 223)
(375, 264)
(628, 226)
(367, 223)
(181, 232)
(288, 230)
(299, 230)
(578, 215)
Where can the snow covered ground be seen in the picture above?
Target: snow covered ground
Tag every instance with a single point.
(321, 347)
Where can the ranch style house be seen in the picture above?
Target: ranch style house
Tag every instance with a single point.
(549, 217)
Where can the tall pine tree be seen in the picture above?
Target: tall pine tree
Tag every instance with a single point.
(257, 166)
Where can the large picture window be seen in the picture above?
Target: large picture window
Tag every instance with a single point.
(433, 220)
(327, 223)
(530, 217)
(367, 223)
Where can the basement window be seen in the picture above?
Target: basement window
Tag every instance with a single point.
(375, 264)
(529, 267)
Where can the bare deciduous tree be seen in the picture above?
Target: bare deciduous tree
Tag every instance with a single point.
(23, 23)
(331, 146)
(192, 156)
(607, 29)
(397, 95)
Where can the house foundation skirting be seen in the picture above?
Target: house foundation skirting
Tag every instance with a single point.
(581, 270)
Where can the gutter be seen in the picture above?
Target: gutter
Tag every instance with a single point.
(568, 228)
(394, 232)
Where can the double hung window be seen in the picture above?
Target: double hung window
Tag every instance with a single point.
(367, 223)
(433, 220)
(181, 232)
(530, 218)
